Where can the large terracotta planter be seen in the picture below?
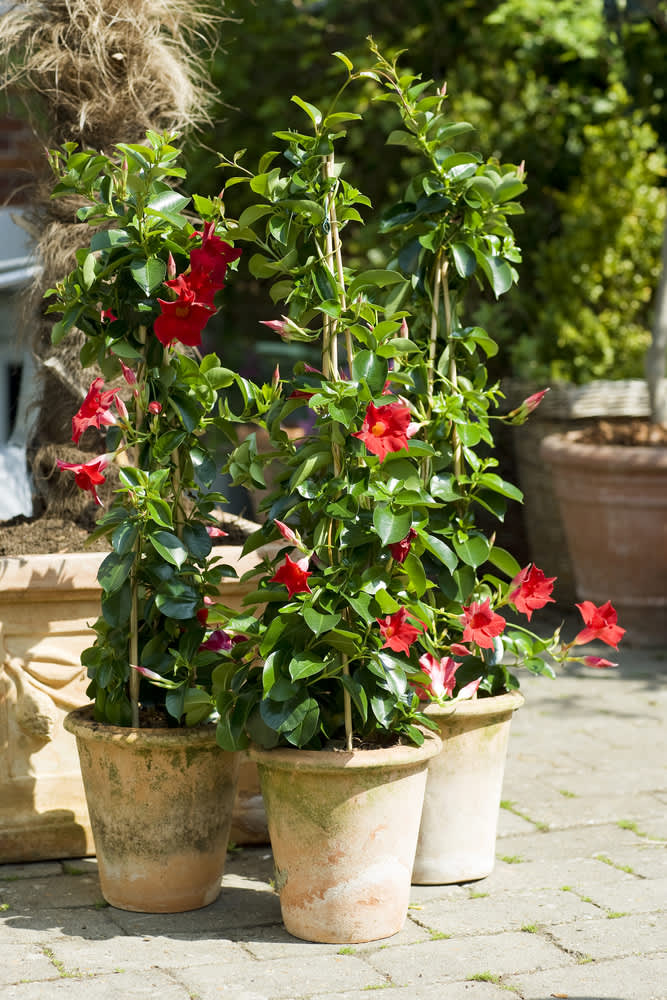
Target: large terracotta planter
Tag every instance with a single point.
(613, 503)
(343, 830)
(565, 407)
(457, 836)
(160, 804)
(47, 605)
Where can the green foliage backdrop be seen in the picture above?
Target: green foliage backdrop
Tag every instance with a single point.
(574, 87)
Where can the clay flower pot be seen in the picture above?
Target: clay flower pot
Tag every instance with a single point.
(457, 837)
(160, 804)
(343, 830)
(613, 503)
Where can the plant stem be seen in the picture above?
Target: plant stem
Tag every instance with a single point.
(135, 678)
(453, 374)
(330, 369)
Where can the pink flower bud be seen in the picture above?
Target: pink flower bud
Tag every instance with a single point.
(598, 662)
(278, 326)
(155, 407)
(171, 267)
(214, 532)
(129, 375)
(532, 402)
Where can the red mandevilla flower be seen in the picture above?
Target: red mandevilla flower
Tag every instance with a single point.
(400, 550)
(87, 475)
(398, 633)
(208, 264)
(294, 575)
(95, 409)
(385, 429)
(532, 590)
(600, 624)
(481, 624)
(184, 318)
(442, 674)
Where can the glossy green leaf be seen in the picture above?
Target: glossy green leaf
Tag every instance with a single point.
(169, 546)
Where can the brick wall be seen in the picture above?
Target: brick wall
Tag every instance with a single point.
(18, 154)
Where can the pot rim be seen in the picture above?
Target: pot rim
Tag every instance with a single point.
(82, 724)
(499, 704)
(399, 755)
(567, 447)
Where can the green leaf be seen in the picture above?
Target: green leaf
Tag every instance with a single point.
(148, 274)
(391, 527)
(464, 259)
(124, 537)
(170, 547)
(344, 59)
(473, 550)
(367, 365)
(114, 571)
(313, 113)
(440, 550)
(305, 665)
(413, 567)
(318, 622)
(180, 602)
(374, 279)
(116, 607)
(497, 271)
(197, 541)
(504, 561)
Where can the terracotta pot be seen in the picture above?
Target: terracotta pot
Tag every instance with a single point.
(457, 837)
(613, 502)
(343, 830)
(160, 804)
(47, 605)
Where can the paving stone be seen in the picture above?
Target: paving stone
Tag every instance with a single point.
(574, 842)
(42, 893)
(637, 978)
(547, 873)
(462, 957)
(503, 911)
(646, 859)
(283, 979)
(150, 985)
(128, 953)
(24, 962)
(274, 942)
(637, 934)
(237, 906)
(638, 896)
(37, 869)
(441, 991)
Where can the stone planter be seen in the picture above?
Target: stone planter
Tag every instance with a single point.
(160, 804)
(613, 505)
(343, 830)
(47, 604)
(457, 836)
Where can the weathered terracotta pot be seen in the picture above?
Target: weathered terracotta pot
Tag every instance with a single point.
(613, 502)
(160, 804)
(47, 606)
(343, 830)
(457, 836)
